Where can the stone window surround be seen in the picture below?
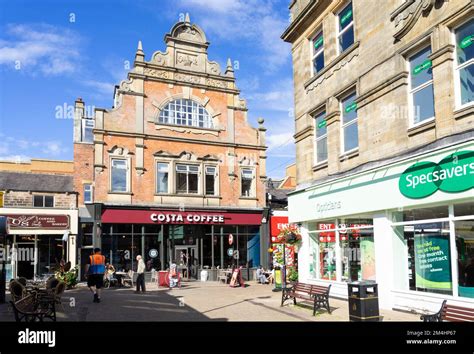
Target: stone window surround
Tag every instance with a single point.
(345, 92)
(253, 186)
(203, 102)
(33, 194)
(338, 33)
(318, 164)
(128, 161)
(91, 191)
(172, 162)
(457, 68)
(313, 55)
(413, 50)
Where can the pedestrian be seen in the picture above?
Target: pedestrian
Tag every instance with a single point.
(95, 273)
(141, 274)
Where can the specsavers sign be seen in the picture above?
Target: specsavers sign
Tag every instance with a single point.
(453, 174)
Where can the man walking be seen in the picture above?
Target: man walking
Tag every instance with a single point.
(95, 273)
(141, 274)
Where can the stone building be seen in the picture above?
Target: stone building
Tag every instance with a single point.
(174, 170)
(384, 102)
(40, 204)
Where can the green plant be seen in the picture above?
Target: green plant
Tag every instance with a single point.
(292, 274)
(69, 276)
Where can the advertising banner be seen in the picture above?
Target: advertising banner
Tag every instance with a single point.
(432, 264)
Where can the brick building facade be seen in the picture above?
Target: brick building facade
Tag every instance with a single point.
(176, 143)
(384, 94)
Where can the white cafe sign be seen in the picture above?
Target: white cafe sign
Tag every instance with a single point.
(189, 218)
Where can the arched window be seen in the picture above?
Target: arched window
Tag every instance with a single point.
(185, 112)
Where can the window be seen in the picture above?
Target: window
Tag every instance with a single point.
(421, 87)
(186, 112)
(464, 62)
(187, 179)
(346, 28)
(162, 177)
(88, 196)
(43, 201)
(318, 52)
(350, 139)
(246, 182)
(210, 180)
(321, 152)
(119, 177)
(87, 133)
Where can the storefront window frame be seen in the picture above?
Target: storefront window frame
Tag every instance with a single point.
(337, 245)
(451, 219)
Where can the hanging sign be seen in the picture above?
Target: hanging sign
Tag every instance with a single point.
(467, 41)
(322, 124)
(423, 66)
(153, 253)
(453, 174)
(318, 43)
(351, 107)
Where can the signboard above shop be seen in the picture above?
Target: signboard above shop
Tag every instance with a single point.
(118, 216)
(47, 222)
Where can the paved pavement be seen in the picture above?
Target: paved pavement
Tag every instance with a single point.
(195, 301)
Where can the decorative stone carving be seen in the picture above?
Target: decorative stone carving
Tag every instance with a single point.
(188, 78)
(187, 32)
(332, 70)
(125, 85)
(118, 151)
(188, 130)
(216, 83)
(406, 16)
(186, 59)
(156, 73)
(213, 67)
(159, 58)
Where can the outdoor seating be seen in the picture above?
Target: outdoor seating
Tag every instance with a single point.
(128, 278)
(223, 275)
(317, 294)
(450, 313)
(31, 309)
(17, 290)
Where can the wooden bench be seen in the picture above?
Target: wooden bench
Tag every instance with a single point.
(450, 313)
(30, 309)
(317, 294)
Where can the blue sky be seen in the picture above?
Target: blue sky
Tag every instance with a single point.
(53, 51)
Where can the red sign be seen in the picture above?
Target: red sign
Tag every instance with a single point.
(278, 223)
(49, 222)
(125, 216)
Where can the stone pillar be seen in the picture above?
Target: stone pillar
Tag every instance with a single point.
(78, 115)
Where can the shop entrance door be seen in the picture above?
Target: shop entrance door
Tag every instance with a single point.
(187, 261)
(25, 260)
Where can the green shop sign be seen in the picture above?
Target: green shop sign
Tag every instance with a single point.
(346, 17)
(453, 174)
(432, 265)
(423, 66)
(467, 41)
(351, 107)
(318, 43)
(322, 124)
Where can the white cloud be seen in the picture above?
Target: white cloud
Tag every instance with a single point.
(104, 88)
(278, 141)
(13, 149)
(275, 97)
(40, 48)
(255, 21)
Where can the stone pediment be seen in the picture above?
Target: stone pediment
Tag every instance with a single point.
(407, 14)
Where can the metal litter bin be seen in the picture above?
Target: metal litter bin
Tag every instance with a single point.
(363, 302)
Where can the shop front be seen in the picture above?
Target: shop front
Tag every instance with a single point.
(38, 240)
(195, 240)
(408, 225)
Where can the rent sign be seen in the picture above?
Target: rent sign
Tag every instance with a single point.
(453, 174)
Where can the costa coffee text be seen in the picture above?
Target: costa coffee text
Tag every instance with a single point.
(191, 218)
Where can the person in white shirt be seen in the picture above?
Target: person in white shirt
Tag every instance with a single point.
(141, 274)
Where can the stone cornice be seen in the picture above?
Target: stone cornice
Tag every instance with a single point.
(390, 84)
(183, 140)
(295, 27)
(304, 133)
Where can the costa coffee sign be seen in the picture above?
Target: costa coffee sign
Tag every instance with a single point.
(127, 216)
(190, 218)
(49, 222)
